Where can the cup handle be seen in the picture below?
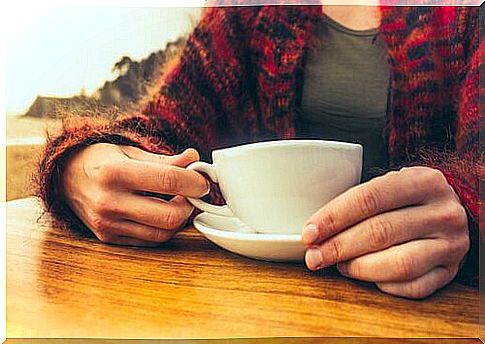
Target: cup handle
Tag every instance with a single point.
(222, 210)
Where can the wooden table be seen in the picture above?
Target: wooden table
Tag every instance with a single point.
(59, 285)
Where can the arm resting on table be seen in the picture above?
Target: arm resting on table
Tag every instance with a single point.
(189, 111)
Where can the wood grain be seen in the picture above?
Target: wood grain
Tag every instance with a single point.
(285, 340)
(59, 285)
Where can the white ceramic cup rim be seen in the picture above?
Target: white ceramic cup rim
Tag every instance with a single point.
(243, 149)
(221, 156)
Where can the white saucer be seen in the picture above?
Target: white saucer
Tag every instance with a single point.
(233, 235)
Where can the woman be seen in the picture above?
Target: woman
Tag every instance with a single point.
(401, 81)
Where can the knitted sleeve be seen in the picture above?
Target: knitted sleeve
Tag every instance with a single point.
(462, 168)
(460, 160)
(189, 110)
(464, 172)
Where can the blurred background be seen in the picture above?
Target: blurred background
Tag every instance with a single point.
(81, 60)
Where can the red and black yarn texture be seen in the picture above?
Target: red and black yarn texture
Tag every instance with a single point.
(239, 80)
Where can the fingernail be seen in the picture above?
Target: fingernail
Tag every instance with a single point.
(313, 258)
(309, 234)
(208, 188)
(342, 268)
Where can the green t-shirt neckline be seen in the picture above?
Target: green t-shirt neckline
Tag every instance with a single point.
(345, 90)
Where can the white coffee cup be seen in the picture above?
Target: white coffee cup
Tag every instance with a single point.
(275, 186)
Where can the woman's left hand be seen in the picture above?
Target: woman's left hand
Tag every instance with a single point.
(406, 231)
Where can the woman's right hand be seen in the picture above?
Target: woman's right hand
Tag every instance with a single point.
(105, 185)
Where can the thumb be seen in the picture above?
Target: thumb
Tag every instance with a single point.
(185, 158)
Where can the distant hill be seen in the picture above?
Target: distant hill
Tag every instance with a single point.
(132, 84)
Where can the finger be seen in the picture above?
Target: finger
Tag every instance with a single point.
(135, 230)
(183, 159)
(399, 263)
(391, 191)
(142, 176)
(420, 287)
(155, 212)
(376, 234)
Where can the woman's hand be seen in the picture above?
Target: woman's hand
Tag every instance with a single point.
(406, 231)
(104, 184)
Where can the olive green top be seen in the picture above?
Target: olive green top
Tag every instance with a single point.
(345, 90)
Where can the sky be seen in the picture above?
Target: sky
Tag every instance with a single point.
(58, 51)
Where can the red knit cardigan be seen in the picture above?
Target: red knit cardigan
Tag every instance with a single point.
(240, 77)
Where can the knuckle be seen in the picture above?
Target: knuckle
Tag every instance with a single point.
(449, 245)
(379, 233)
(394, 175)
(454, 215)
(414, 170)
(434, 179)
(335, 248)
(404, 267)
(106, 173)
(458, 247)
(412, 174)
(328, 222)
(170, 181)
(461, 216)
(409, 172)
(368, 201)
(451, 249)
(393, 178)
